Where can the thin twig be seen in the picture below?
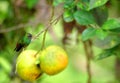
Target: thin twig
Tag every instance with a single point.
(20, 26)
(52, 13)
(49, 25)
(43, 42)
(45, 31)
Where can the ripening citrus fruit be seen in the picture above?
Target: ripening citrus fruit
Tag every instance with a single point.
(26, 66)
(53, 60)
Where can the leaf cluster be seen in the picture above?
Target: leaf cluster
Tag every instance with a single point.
(101, 29)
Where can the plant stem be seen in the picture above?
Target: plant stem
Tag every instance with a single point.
(88, 54)
(117, 67)
(43, 42)
(45, 31)
(54, 21)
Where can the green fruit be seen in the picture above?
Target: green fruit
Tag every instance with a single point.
(26, 66)
(53, 60)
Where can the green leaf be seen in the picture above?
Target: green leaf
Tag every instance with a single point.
(69, 4)
(96, 3)
(111, 24)
(101, 34)
(70, 8)
(83, 4)
(100, 15)
(68, 16)
(104, 54)
(84, 17)
(31, 3)
(115, 30)
(4, 8)
(57, 2)
(108, 42)
(88, 33)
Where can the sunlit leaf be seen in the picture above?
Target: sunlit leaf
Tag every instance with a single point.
(83, 4)
(57, 2)
(88, 33)
(84, 17)
(31, 3)
(96, 3)
(4, 7)
(111, 24)
(69, 4)
(68, 16)
(101, 34)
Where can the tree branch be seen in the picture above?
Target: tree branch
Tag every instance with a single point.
(20, 26)
(88, 66)
(49, 25)
(45, 31)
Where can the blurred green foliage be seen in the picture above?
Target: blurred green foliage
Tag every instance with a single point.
(103, 27)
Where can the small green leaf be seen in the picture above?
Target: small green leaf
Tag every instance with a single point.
(111, 24)
(108, 42)
(104, 54)
(100, 15)
(115, 30)
(69, 4)
(88, 33)
(4, 8)
(83, 4)
(31, 3)
(96, 3)
(68, 16)
(101, 34)
(84, 17)
(57, 2)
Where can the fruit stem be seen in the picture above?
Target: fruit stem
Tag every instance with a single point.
(43, 42)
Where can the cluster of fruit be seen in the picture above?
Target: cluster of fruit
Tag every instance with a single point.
(30, 65)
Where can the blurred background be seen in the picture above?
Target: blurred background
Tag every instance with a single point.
(33, 16)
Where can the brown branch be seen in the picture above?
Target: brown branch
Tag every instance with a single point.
(12, 28)
(30, 23)
(49, 25)
(43, 42)
(20, 26)
(45, 31)
(86, 44)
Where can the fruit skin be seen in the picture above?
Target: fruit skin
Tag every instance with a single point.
(26, 66)
(53, 60)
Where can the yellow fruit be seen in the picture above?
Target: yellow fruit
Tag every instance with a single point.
(53, 60)
(26, 66)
